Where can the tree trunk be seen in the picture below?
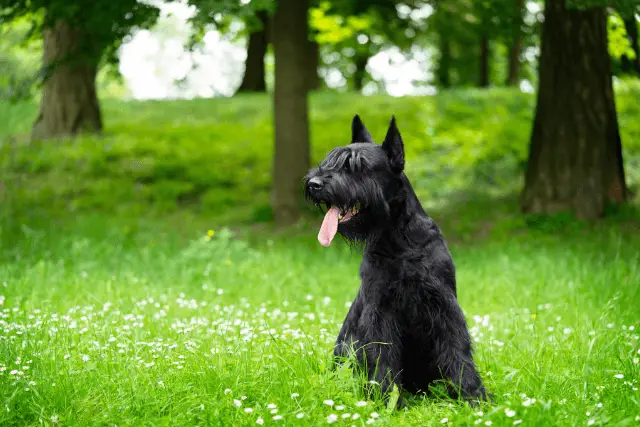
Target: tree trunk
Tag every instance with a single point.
(632, 65)
(575, 157)
(291, 159)
(484, 62)
(69, 101)
(361, 62)
(444, 65)
(313, 63)
(254, 73)
(513, 73)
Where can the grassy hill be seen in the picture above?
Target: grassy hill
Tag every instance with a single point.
(214, 156)
(125, 299)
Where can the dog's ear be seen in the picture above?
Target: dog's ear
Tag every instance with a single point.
(359, 133)
(394, 147)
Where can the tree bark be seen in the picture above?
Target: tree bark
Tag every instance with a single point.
(254, 73)
(69, 100)
(485, 55)
(513, 73)
(361, 62)
(313, 63)
(575, 158)
(632, 65)
(444, 65)
(291, 159)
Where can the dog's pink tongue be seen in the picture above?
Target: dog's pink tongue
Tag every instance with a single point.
(329, 227)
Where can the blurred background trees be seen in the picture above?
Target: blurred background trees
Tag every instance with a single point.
(56, 52)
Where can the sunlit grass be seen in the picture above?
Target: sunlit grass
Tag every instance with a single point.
(110, 328)
(124, 300)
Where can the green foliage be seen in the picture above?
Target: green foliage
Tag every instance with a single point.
(123, 303)
(19, 60)
(215, 155)
(334, 29)
(462, 24)
(619, 43)
(101, 25)
(130, 321)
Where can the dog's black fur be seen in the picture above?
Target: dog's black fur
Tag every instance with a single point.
(405, 321)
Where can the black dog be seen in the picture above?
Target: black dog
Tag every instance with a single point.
(405, 321)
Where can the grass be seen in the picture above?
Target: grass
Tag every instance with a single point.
(119, 307)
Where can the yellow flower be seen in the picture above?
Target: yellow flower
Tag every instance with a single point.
(533, 316)
(210, 233)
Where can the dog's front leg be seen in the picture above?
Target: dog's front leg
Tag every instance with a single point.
(348, 336)
(382, 347)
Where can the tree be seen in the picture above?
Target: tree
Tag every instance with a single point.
(291, 158)
(631, 64)
(575, 158)
(313, 63)
(515, 47)
(78, 38)
(257, 44)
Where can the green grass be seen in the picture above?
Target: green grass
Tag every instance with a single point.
(117, 308)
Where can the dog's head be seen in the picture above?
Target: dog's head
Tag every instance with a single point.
(355, 183)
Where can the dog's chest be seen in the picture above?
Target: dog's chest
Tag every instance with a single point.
(392, 282)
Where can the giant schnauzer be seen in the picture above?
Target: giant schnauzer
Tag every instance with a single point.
(405, 323)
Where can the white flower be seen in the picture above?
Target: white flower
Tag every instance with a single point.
(85, 358)
(355, 416)
(332, 418)
(54, 419)
(361, 403)
(374, 415)
(339, 407)
(237, 403)
(294, 395)
(345, 415)
(272, 406)
(277, 417)
(274, 411)
(488, 423)
(259, 421)
(591, 422)
(300, 415)
(227, 390)
(328, 402)
(444, 420)
(66, 356)
(510, 412)
(516, 422)
(370, 421)
(248, 410)
(619, 376)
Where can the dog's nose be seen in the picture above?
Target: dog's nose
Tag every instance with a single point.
(315, 184)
